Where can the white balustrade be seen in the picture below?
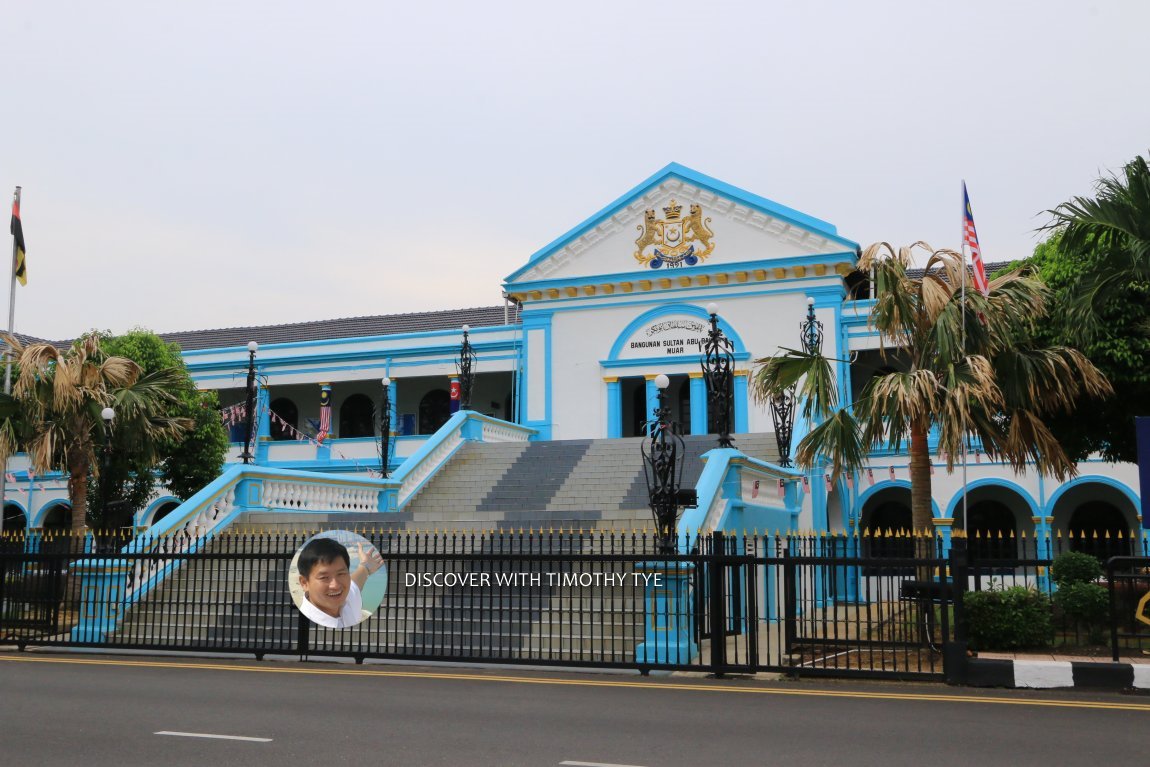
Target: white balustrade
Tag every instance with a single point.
(502, 432)
(431, 462)
(294, 495)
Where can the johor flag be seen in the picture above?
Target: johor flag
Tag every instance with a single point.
(971, 235)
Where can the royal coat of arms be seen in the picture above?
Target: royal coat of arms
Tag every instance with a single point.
(674, 241)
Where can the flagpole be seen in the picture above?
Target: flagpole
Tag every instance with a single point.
(962, 246)
(8, 360)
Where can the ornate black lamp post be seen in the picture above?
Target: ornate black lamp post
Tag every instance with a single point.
(466, 370)
(250, 413)
(385, 429)
(718, 373)
(663, 458)
(783, 403)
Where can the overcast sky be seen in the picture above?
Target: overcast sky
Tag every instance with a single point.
(206, 164)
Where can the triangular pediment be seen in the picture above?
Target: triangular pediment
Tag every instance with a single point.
(680, 219)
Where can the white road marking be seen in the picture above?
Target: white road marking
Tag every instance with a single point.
(209, 735)
(594, 764)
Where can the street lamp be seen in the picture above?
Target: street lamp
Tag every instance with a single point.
(250, 414)
(108, 414)
(663, 460)
(466, 370)
(718, 372)
(385, 428)
(783, 403)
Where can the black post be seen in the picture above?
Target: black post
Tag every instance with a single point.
(249, 418)
(718, 603)
(790, 602)
(466, 370)
(1113, 609)
(385, 429)
(718, 372)
(954, 650)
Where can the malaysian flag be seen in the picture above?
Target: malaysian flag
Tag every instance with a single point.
(971, 236)
(324, 415)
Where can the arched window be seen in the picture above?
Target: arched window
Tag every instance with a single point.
(59, 517)
(357, 417)
(434, 410)
(14, 518)
(287, 411)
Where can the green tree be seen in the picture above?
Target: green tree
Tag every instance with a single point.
(1121, 351)
(965, 370)
(1113, 227)
(1097, 263)
(184, 463)
(61, 393)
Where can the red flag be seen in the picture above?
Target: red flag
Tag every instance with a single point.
(850, 482)
(782, 489)
(971, 235)
(892, 474)
(830, 485)
(755, 489)
(870, 476)
(806, 483)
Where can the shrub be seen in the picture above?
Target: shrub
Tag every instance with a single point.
(1075, 567)
(1084, 603)
(1008, 619)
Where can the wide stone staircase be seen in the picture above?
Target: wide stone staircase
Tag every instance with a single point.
(573, 494)
(561, 484)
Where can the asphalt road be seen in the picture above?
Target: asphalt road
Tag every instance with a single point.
(96, 711)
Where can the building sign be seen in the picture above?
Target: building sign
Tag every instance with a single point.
(675, 240)
(667, 337)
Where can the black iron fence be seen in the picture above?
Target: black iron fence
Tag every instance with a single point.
(796, 604)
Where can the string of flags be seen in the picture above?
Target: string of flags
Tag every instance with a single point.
(10, 479)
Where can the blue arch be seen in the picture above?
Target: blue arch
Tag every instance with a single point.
(146, 517)
(659, 311)
(1099, 480)
(21, 507)
(993, 482)
(878, 487)
(43, 512)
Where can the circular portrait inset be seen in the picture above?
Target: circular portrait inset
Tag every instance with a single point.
(337, 579)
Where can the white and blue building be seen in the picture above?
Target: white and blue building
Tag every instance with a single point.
(587, 323)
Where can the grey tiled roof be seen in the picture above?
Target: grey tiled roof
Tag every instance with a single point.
(349, 327)
(991, 268)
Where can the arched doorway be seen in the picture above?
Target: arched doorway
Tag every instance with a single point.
(59, 517)
(164, 510)
(434, 410)
(289, 414)
(1099, 528)
(1097, 517)
(357, 417)
(14, 519)
(992, 532)
(885, 525)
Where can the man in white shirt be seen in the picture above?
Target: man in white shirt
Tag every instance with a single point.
(332, 593)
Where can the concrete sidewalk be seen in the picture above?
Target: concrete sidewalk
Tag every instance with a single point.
(1045, 670)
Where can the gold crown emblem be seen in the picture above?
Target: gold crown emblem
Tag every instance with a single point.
(673, 210)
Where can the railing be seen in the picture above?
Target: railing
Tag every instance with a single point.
(733, 481)
(733, 605)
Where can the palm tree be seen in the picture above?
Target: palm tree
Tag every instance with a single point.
(61, 393)
(972, 370)
(1114, 227)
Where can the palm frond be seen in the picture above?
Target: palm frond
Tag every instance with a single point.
(812, 373)
(836, 440)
